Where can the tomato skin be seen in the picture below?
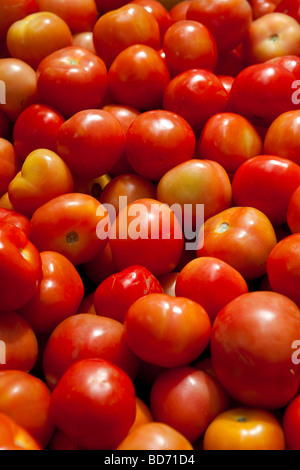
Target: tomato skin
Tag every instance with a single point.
(91, 133)
(157, 141)
(143, 414)
(73, 231)
(242, 237)
(206, 400)
(11, 217)
(289, 7)
(15, 437)
(62, 77)
(289, 62)
(291, 424)
(36, 128)
(14, 10)
(281, 137)
(10, 164)
(167, 331)
(84, 39)
(118, 292)
(254, 367)
(94, 404)
(293, 212)
(58, 296)
(244, 429)
(161, 14)
(210, 282)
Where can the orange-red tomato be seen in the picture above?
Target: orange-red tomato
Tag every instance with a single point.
(15, 437)
(80, 15)
(14, 10)
(282, 137)
(10, 164)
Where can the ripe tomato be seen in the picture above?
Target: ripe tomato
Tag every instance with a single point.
(187, 399)
(84, 39)
(94, 404)
(118, 292)
(262, 7)
(289, 7)
(178, 12)
(60, 441)
(34, 37)
(14, 10)
(167, 331)
(282, 137)
(210, 282)
(58, 296)
(155, 436)
(11, 217)
(36, 128)
(72, 233)
(293, 212)
(289, 62)
(291, 424)
(15, 437)
(62, 79)
(143, 414)
(10, 164)
(244, 429)
(160, 13)
(80, 15)
(251, 351)
(168, 283)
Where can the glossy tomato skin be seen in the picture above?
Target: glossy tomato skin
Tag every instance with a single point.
(80, 15)
(169, 404)
(10, 164)
(84, 39)
(255, 367)
(15, 437)
(85, 136)
(118, 292)
(289, 7)
(275, 178)
(157, 141)
(161, 14)
(262, 7)
(94, 404)
(157, 244)
(195, 95)
(289, 62)
(36, 128)
(77, 338)
(210, 282)
(11, 217)
(244, 429)
(291, 424)
(178, 12)
(62, 77)
(72, 232)
(167, 331)
(13, 10)
(59, 295)
(26, 399)
(20, 278)
(281, 137)
(242, 237)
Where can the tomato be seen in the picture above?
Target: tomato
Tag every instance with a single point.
(189, 45)
(218, 141)
(101, 266)
(272, 35)
(227, 82)
(80, 15)
(143, 414)
(94, 404)
(72, 232)
(87, 305)
(281, 137)
(147, 233)
(58, 296)
(118, 292)
(36, 128)
(20, 86)
(62, 77)
(210, 282)
(138, 77)
(291, 423)
(228, 20)
(262, 92)
(5, 202)
(84, 39)
(169, 403)
(262, 7)
(26, 400)
(10, 164)
(77, 338)
(43, 176)
(289, 7)
(11, 217)
(242, 237)
(155, 436)
(231, 63)
(168, 283)
(14, 10)
(179, 11)
(18, 343)
(157, 141)
(15, 437)
(244, 429)
(92, 187)
(34, 37)
(289, 62)
(196, 95)
(293, 212)
(275, 181)
(124, 27)
(160, 13)
(167, 331)
(91, 133)
(251, 349)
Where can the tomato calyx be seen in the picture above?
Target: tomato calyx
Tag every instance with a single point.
(72, 237)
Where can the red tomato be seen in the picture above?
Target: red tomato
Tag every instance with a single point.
(10, 217)
(94, 404)
(267, 183)
(77, 338)
(58, 296)
(118, 292)
(160, 13)
(62, 79)
(196, 95)
(26, 400)
(210, 282)
(262, 7)
(291, 424)
(231, 63)
(187, 399)
(282, 137)
(80, 15)
(168, 283)
(251, 350)
(179, 11)
(290, 8)
(84, 39)
(289, 62)
(147, 233)
(138, 77)
(87, 305)
(36, 128)
(293, 212)
(60, 441)
(91, 133)
(10, 164)
(14, 437)
(14, 10)
(167, 331)
(158, 141)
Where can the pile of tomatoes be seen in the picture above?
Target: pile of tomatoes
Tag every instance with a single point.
(119, 331)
